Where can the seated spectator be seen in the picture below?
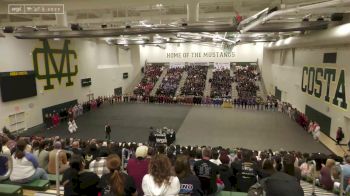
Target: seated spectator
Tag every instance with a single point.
(78, 182)
(4, 148)
(226, 174)
(91, 154)
(345, 170)
(116, 182)
(3, 159)
(43, 156)
(137, 167)
(279, 183)
(189, 183)
(326, 175)
(25, 166)
(76, 149)
(245, 171)
(160, 180)
(62, 159)
(215, 157)
(99, 165)
(207, 172)
(289, 168)
(305, 170)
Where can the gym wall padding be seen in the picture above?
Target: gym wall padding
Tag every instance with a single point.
(278, 93)
(58, 107)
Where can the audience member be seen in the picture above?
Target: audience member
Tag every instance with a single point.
(326, 175)
(245, 171)
(207, 172)
(25, 167)
(279, 183)
(116, 182)
(160, 180)
(137, 167)
(99, 165)
(189, 183)
(226, 174)
(77, 181)
(62, 159)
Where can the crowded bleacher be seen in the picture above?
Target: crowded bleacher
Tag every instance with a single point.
(170, 82)
(245, 77)
(151, 76)
(221, 83)
(111, 167)
(195, 81)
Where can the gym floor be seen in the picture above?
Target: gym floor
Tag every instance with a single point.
(201, 125)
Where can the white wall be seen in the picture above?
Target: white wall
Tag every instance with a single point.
(287, 76)
(186, 52)
(105, 65)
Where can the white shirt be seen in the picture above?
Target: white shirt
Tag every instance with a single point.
(150, 188)
(6, 150)
(215, 161)
(22, 168)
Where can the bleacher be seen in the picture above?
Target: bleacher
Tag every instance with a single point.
(151, 76)
(47, 187)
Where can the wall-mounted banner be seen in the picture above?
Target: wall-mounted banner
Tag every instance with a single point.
(184, 55)
(48, 56)
(328, 84)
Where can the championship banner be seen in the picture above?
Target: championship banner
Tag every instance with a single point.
(176, 64)
(221, 65)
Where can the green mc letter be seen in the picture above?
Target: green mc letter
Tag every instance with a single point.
(49, 57)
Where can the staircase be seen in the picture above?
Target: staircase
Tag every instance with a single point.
(234, 90)
(181, 83)
(261, 92)
(231, 72)
(159, 82)
(207, 83)
(130, 88)
(307, 187)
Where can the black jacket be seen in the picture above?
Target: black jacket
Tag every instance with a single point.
(281, 183)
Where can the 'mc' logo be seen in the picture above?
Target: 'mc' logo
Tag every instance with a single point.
(325, 83)
(51, 70)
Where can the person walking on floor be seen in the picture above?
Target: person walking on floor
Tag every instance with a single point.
(340, 135)
(108, 131)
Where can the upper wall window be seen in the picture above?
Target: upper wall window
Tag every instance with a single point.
(330, 57)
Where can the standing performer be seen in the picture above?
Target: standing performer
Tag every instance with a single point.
(108, 131)
(72, 126)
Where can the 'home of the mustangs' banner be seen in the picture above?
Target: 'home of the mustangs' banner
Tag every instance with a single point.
(328, 84)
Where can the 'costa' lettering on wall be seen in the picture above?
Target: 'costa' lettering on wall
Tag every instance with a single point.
(318, 82)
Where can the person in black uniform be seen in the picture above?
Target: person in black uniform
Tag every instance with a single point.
(108, 131)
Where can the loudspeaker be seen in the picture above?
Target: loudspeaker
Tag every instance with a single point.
(76, 27)
(125, 75)
(337, 17)
(8, 29)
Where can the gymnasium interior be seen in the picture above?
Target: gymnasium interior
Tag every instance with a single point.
(211, 97)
